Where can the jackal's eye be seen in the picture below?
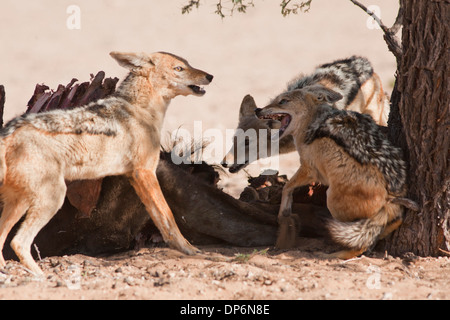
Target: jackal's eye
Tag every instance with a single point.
(178, 69)
(283, 101)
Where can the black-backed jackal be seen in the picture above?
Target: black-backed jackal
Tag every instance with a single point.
(119, 135)
(346, 151)
(353, 78)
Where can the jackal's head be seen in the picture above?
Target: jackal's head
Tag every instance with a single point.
(169, 74)
(252, 138)
(289, 110)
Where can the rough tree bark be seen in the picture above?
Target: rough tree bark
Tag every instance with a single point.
(2, 104)
(420, 105)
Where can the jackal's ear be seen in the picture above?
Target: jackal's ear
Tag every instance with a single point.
(248, 106)
(322, 94)
(132, 61)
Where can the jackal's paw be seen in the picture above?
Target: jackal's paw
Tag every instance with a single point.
(33, 268)
(190, 249)
(287, 233)
(182, 245)
(343, 255)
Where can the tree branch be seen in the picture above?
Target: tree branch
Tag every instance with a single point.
(295, 8)
(392, 41)
(188, 7)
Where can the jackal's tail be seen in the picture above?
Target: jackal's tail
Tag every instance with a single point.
(362, 235)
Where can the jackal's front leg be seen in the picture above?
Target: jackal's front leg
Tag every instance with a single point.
(287, 225)
(300, 178)
(147, 188)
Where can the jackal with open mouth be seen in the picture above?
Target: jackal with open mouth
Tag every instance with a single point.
(353, 78)
(346, 151)
(118, 135)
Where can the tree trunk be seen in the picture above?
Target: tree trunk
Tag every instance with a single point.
(421, 106)
(2, 104)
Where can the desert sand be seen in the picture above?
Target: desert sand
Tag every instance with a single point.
(256, 53)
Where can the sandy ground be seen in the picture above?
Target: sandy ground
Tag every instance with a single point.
(230, 273)
(256, 53)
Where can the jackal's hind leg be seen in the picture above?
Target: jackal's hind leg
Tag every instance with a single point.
(14, 208)
(44, 206)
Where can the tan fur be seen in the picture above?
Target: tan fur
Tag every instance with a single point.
(357, 192)
(370, 99)
(235, 159)
(114, 136)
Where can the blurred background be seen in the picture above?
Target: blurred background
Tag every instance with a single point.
(51, 42)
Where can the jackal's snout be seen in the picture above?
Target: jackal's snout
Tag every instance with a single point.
(258, 112)
(205, 79)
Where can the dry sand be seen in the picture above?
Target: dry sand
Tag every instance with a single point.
(256, 53)
(230, 273)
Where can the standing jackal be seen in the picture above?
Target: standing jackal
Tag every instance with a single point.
(119, 135)
(353, 78)
(347, 152)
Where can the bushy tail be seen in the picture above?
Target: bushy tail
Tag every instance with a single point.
(364, 234)
(361, 234)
